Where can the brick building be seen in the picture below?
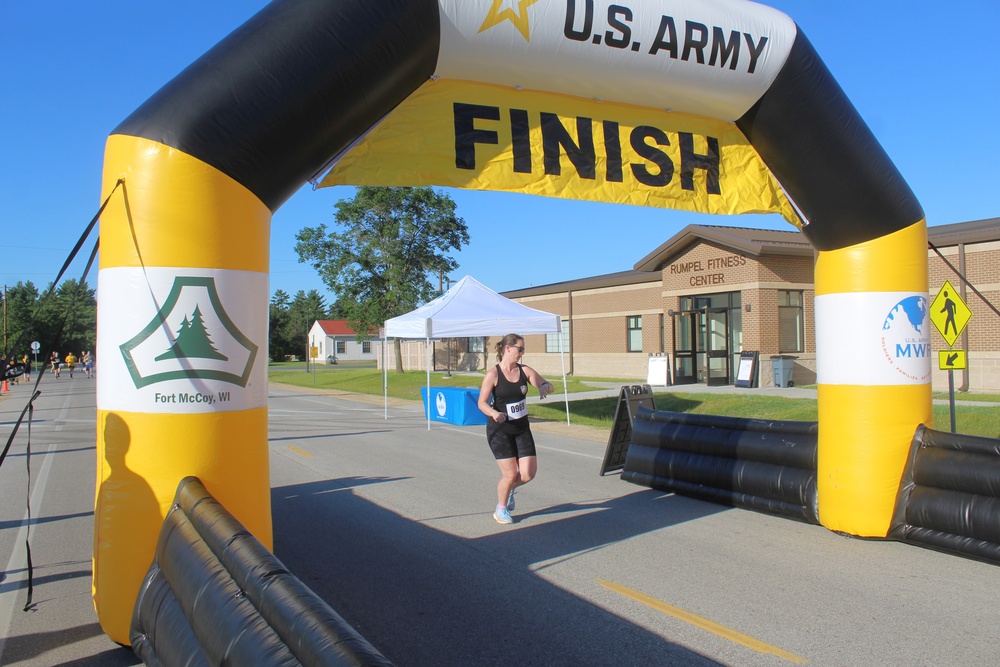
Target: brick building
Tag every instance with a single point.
(710, 293)
(973, 248)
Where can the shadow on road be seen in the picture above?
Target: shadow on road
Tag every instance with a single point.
(26, 647)
(426, 597)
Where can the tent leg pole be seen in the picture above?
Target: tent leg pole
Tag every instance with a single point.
(428, 384)
(385, 375)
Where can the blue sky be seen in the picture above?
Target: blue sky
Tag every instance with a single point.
(923, 75)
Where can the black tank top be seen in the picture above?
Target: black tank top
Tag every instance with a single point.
(509, 397)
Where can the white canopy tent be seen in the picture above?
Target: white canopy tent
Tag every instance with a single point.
(470, 308)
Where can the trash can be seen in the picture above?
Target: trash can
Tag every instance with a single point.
(781, 367)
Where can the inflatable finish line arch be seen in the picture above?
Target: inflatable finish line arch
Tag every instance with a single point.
(719, 106)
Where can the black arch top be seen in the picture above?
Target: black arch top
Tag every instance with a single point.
(300, 81)
(276, 99)
(823, 154)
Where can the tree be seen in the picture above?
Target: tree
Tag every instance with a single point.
(277, 344)
(394, 241)
(21, 303)
(63, 318)
(78, 304)
(290, 320)
(305, 309)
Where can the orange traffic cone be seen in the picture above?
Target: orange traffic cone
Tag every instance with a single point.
(5, 387)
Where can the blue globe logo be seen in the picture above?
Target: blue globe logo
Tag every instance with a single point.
(906, 344)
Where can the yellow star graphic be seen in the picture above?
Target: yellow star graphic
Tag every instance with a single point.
(518, 18)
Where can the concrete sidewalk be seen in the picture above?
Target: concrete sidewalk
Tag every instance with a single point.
(605, 389)
(612, 389)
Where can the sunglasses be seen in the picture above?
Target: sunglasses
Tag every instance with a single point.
(519, 349)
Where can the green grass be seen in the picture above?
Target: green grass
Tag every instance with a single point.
(969, 419)
(964, 396)
(366, 379)
(599, 412)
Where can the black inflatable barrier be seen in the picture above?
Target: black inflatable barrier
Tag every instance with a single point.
(629, 399)
(215, 595)
(756, 464)
(949, 496)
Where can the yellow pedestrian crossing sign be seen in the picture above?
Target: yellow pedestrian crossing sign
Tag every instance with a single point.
(952, 360)
(949, 313)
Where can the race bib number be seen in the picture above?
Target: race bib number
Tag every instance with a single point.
(517, 410)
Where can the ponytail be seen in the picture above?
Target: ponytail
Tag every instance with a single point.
(509, 339)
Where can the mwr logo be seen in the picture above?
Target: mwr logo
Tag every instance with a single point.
(906, 343)
(441, 404)
(190, 337)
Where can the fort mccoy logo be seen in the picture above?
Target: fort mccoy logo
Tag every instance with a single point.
(191, 337)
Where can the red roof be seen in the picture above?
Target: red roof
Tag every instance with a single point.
(336, 328)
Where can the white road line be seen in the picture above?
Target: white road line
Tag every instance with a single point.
(567, 451)
(43, 424)
(17, 557)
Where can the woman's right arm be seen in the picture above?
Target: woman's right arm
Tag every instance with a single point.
(489, 382)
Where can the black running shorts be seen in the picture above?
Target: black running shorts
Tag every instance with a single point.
(507, 443)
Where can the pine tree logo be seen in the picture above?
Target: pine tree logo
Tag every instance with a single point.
(193, 341)
(190, 337)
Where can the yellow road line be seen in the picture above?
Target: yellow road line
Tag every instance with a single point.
(703, 623)
(300, 451)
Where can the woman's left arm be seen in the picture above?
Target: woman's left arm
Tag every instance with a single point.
(544, 386)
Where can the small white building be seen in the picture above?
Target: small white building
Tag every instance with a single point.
(336, 341)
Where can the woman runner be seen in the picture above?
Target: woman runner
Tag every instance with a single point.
(503, 398)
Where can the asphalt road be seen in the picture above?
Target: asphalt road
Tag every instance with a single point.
(391, 524)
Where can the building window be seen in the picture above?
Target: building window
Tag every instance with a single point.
(791, 322)
(476, 345)
(634, 324)
(341, 347)
(554, 340)
(366, 347)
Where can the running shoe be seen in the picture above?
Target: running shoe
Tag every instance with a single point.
(502, 515)
(510, 501)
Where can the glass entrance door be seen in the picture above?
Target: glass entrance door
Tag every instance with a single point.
(716, 346)
(701, 346)
(684, 348)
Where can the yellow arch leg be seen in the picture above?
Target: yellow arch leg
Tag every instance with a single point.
(182, 247)
(873, 369)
